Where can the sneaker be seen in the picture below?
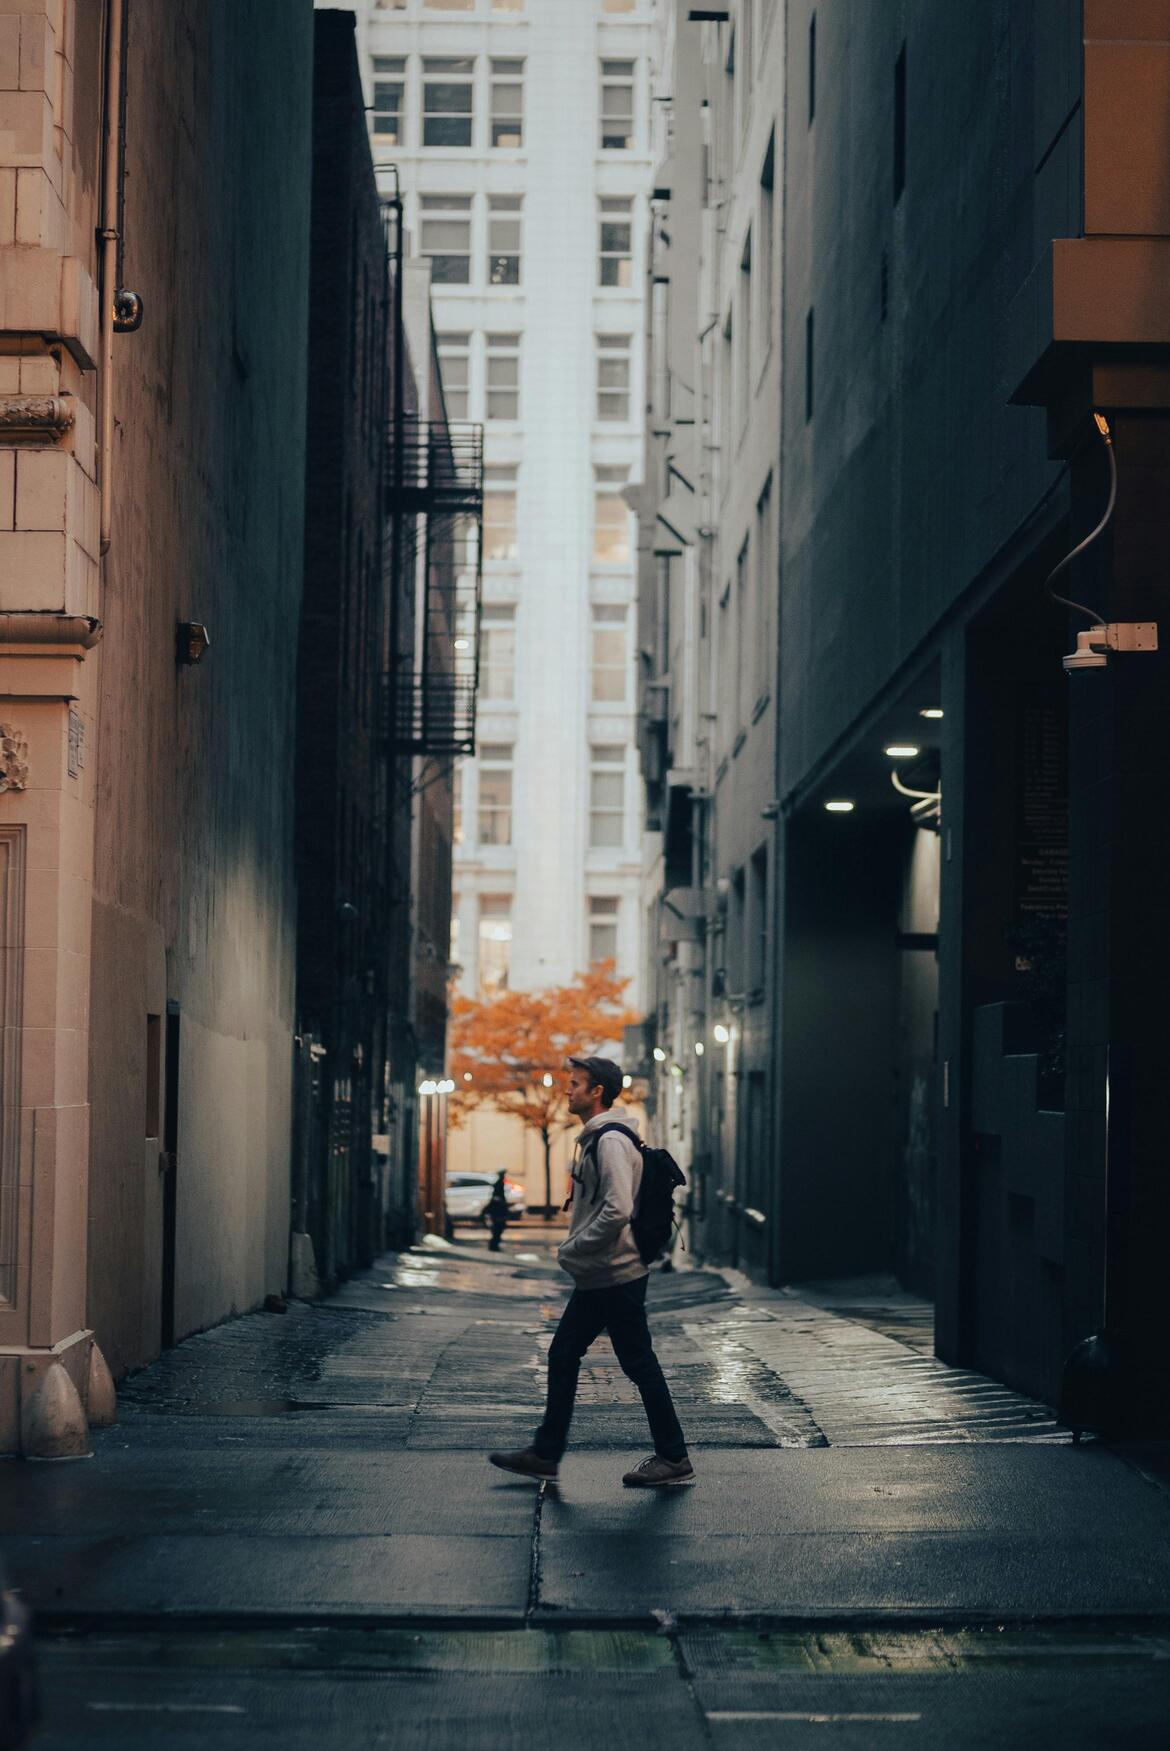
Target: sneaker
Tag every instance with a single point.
(657, 1473)
(526, 1463)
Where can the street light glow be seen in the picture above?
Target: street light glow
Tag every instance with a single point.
(627, 1082)
(428, 1087)
(547, 1079)
(446, 1086)
(722, 1034)
(700, 1048)
(659, 1055)
(467, 1076)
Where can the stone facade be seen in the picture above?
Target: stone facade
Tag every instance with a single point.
(147, 873)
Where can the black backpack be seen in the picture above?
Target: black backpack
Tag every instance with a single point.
(652, 1223)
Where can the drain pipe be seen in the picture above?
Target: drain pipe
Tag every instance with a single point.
(119, 310)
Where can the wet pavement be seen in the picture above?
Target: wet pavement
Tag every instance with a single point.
(292, 1535)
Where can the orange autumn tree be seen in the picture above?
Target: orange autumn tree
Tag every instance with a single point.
(508, 1051)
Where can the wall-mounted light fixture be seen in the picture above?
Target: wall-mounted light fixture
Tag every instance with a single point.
(193, 641)
(931, 711)
(902, 751)
(659, 1055)
(722, 1033)
(840, 807)
(700, 1048)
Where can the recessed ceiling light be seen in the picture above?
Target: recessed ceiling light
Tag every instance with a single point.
(902, 751)
(840, 808)
(931, 711)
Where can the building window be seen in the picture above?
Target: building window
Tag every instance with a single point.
(445, 236)
(618, 5)
(613, 377)
(899, 124)
(615, 266)
(499, 514)
(611, 517)
(607, 796)
(603, 927)
(809, 336)
(610, 664)
(449, 5)
(497, 650)
(766, 267)
(503, 376)
(504, 240)
(457, 825)
(507, 5)
(447, 99)
(495, 942)
(495, 794)
(812, 69)
(617, 106)
(508, 103)
(455, 368)
(389, 81)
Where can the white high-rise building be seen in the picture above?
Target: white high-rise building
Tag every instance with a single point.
(521, 133)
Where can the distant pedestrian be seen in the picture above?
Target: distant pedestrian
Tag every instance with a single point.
(601, 1256)
(497, 1212)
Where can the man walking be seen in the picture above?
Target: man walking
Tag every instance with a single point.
(601, 1256)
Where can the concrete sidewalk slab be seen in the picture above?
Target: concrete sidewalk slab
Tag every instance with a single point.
(214, 1574)
(1010, 1532)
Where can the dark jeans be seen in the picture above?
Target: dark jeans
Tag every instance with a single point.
(621, 1312)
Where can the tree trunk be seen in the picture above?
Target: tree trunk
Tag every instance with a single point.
(547, 1176)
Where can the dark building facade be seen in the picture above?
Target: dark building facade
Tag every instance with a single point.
(976, 215)
(353, 803)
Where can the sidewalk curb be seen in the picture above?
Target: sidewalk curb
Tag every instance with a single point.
(64, 1622)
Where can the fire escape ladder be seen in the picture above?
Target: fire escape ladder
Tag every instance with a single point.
(436, 489)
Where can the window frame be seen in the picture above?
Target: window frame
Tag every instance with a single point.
(613, 349)
(453, 347)
(602, 912)
(611, 80)
(608, 481)
(500, 347)
(600, 767)
(432, 67)
(607, 619)
(451, 209)
(494, 816)
(505, 71)
(497, 616)
(614, 211)
(501, 481)
(390, 76)
(505, 210)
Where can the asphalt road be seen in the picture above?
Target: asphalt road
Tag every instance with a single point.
(292, 1537)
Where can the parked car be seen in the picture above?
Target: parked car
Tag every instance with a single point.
(468, 1194)
(18, 1691)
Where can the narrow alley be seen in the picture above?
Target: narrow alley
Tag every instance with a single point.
(292, 1536)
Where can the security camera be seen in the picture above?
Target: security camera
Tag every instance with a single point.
(1090, 651)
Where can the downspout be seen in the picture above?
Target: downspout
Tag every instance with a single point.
(109, 236)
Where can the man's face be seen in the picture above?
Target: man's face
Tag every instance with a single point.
(583, 1094)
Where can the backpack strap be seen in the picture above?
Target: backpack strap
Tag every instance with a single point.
(594, 1138)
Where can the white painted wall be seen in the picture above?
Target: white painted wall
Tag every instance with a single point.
(558, 308)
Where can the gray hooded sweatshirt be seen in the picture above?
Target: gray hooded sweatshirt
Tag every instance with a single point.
(601, 1251)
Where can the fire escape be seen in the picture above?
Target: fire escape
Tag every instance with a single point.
(436, 500)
